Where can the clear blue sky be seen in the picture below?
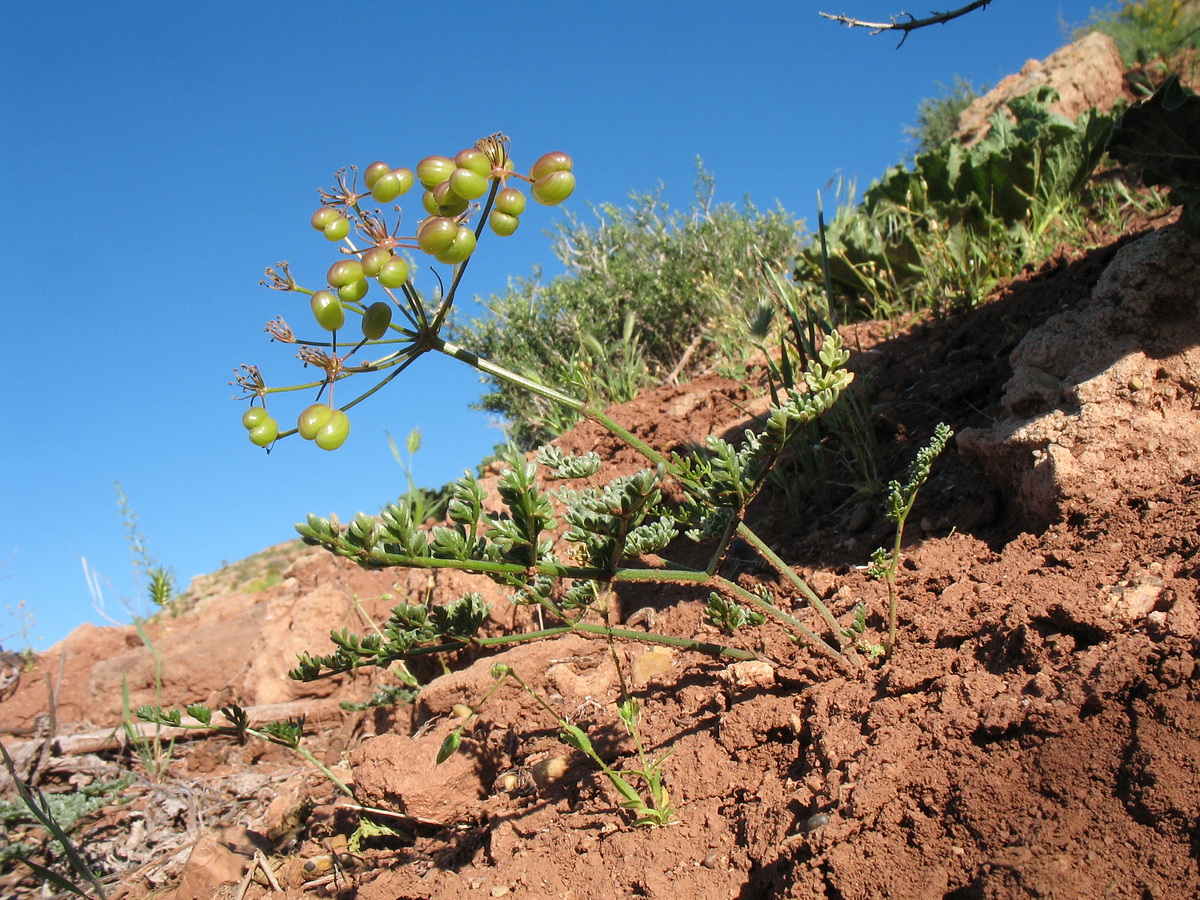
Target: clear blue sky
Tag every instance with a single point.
(156, 156)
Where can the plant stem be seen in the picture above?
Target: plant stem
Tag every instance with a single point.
(787, 572)
(490, 368)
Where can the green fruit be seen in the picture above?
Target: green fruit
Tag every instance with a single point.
(460, 249)
(312, 419)
(436, 234)
(433, 170)
(406, 178)
(475, 160)
(502, 223)
(253, 417)
(334, 432)
(375, 320)
(394, 272)
(430, 204)
(327, 310)
(552, 189)
(556, 161)
(387, 187)
(264, 432)
(468, 184)
(374, 260)
(354, 291)
(510, 201)
(372, 172)
(324, 216)
(449, 203)
(337, 228)
(344, 271)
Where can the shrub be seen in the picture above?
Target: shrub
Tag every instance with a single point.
(650, 295)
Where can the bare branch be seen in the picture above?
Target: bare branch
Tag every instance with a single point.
(911, 24)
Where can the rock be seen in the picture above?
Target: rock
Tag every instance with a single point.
(401, 773)
(1086, 74)
(1077, 435)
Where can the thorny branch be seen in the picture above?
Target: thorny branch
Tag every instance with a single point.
(911, 24)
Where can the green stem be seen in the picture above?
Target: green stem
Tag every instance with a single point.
(787, 572)
(790, 622)
(490, 368)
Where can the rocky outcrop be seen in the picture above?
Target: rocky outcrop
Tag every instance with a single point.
(1087, 74)
(1104, 399)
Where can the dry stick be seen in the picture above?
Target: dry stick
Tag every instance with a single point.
(912, 24)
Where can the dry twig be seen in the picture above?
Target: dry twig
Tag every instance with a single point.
(911, 24)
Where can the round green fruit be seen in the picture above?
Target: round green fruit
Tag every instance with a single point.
(337, 228)
(502, 223)
(327, 310)
(436, 234)
(556, 161)
(475, 160)
(372, 172)
(354, 291)
(510, 201)
(375, 320)
(324, 216)
(449, 203)
(460, 249)
(468, 184)
(374, 260)
(344, 271)
(433, 170)
(387, 187)
(312, 419)
(394, 272)
(253, 417)
(264, 432)
(334, 432)
(552, 189)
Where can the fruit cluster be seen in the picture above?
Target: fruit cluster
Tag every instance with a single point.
(455, 188)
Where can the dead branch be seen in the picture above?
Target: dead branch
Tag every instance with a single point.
(911, 24)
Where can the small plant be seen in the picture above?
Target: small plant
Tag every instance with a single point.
(147, 569)
(900, 500)
(425, 504)
(59, 814)
(616, 532)
(652, 810)
(153, 752)
(286, 733)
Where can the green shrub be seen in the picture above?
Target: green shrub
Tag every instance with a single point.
(1149, 29)
(937, 117)
(649, 295)
(942, 232)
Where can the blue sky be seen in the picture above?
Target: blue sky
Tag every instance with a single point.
(157, 156)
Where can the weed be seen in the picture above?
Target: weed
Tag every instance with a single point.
(616, 532)
(59, 814)
(900, 500)
(152, 750)
(285, 732)
(652, 810)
